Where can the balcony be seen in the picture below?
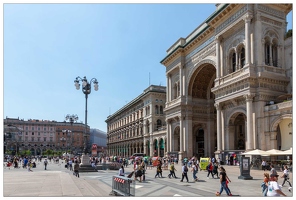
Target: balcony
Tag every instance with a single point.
(287, 104)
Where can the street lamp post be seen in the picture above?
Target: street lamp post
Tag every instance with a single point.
(71, 119)
(86, 89)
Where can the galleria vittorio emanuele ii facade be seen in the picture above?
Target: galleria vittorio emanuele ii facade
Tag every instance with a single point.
(229, 89)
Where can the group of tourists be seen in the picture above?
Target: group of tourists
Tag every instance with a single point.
(270, 185)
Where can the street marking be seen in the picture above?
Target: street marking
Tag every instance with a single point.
(138, 186)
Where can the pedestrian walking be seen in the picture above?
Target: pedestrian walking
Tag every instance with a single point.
(272, 170)
(274, 188)
(184, 172)
(194, 171)
(29, 166)
(285, 175)
(172, 171)
(121, 171)
(210, 169)
(76, 169)
(158, 170)
(263, 165)
(70, 164)
(45, 163)
(264, 184)
(223, 181)
(215, 169)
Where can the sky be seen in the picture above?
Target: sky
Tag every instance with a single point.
(46, 46)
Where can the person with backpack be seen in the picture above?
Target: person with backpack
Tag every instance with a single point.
(184, 172)
(215, 169)
(158, 170)
(210, 169)
(194, 170)
(172, 171)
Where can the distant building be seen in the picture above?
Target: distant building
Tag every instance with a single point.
(99, 138)
(139, 126)
(41, 135)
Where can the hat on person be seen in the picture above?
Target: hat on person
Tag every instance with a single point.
(274, 175)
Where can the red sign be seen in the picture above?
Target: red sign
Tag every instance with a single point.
(94, 150)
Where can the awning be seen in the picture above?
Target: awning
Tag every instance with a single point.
(287, 152)
(257, 152)
(274, 152)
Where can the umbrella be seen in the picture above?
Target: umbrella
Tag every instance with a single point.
(287, 152)
(274, 152)
(256, 152)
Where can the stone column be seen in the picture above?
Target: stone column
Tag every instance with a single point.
(168, 136)
(218, 57)
(181, 138)
(250, 137)
(181, 80)
(189, 136)
(169, 95)
(236, 60)
(270, 54)
(263, 52)
(145, 146)
(151, 140)
(247, 36)
(158, 148)
(219, 128)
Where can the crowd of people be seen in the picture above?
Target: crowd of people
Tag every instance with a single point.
(270, 185)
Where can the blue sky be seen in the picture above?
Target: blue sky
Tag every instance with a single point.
(46, 46)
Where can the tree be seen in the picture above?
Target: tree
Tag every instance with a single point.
(288, 34)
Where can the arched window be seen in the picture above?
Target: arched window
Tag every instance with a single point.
(156, 109)
(161, 109)
(242, 57)
(267, 52)
(233, 62)
(158, 124)
(274, 54)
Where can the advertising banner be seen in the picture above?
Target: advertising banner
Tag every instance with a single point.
(94, 150)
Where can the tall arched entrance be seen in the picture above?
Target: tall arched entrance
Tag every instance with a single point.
(202, 136)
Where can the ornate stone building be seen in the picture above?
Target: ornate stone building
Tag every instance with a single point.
(139, 126)
(229, 83)
(40, 135)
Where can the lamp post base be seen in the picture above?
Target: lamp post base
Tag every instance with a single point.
(85, 165)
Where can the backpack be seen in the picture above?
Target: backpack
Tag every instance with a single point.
(185, 169)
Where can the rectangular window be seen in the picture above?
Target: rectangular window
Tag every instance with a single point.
(32, 128)
(32, 133)
(38, 133)
(44, 139)
(38, 139)
(32, 139)
(50, 139)
(44, 129)
(26, 139)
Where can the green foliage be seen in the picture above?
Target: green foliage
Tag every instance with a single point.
(288, 34)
